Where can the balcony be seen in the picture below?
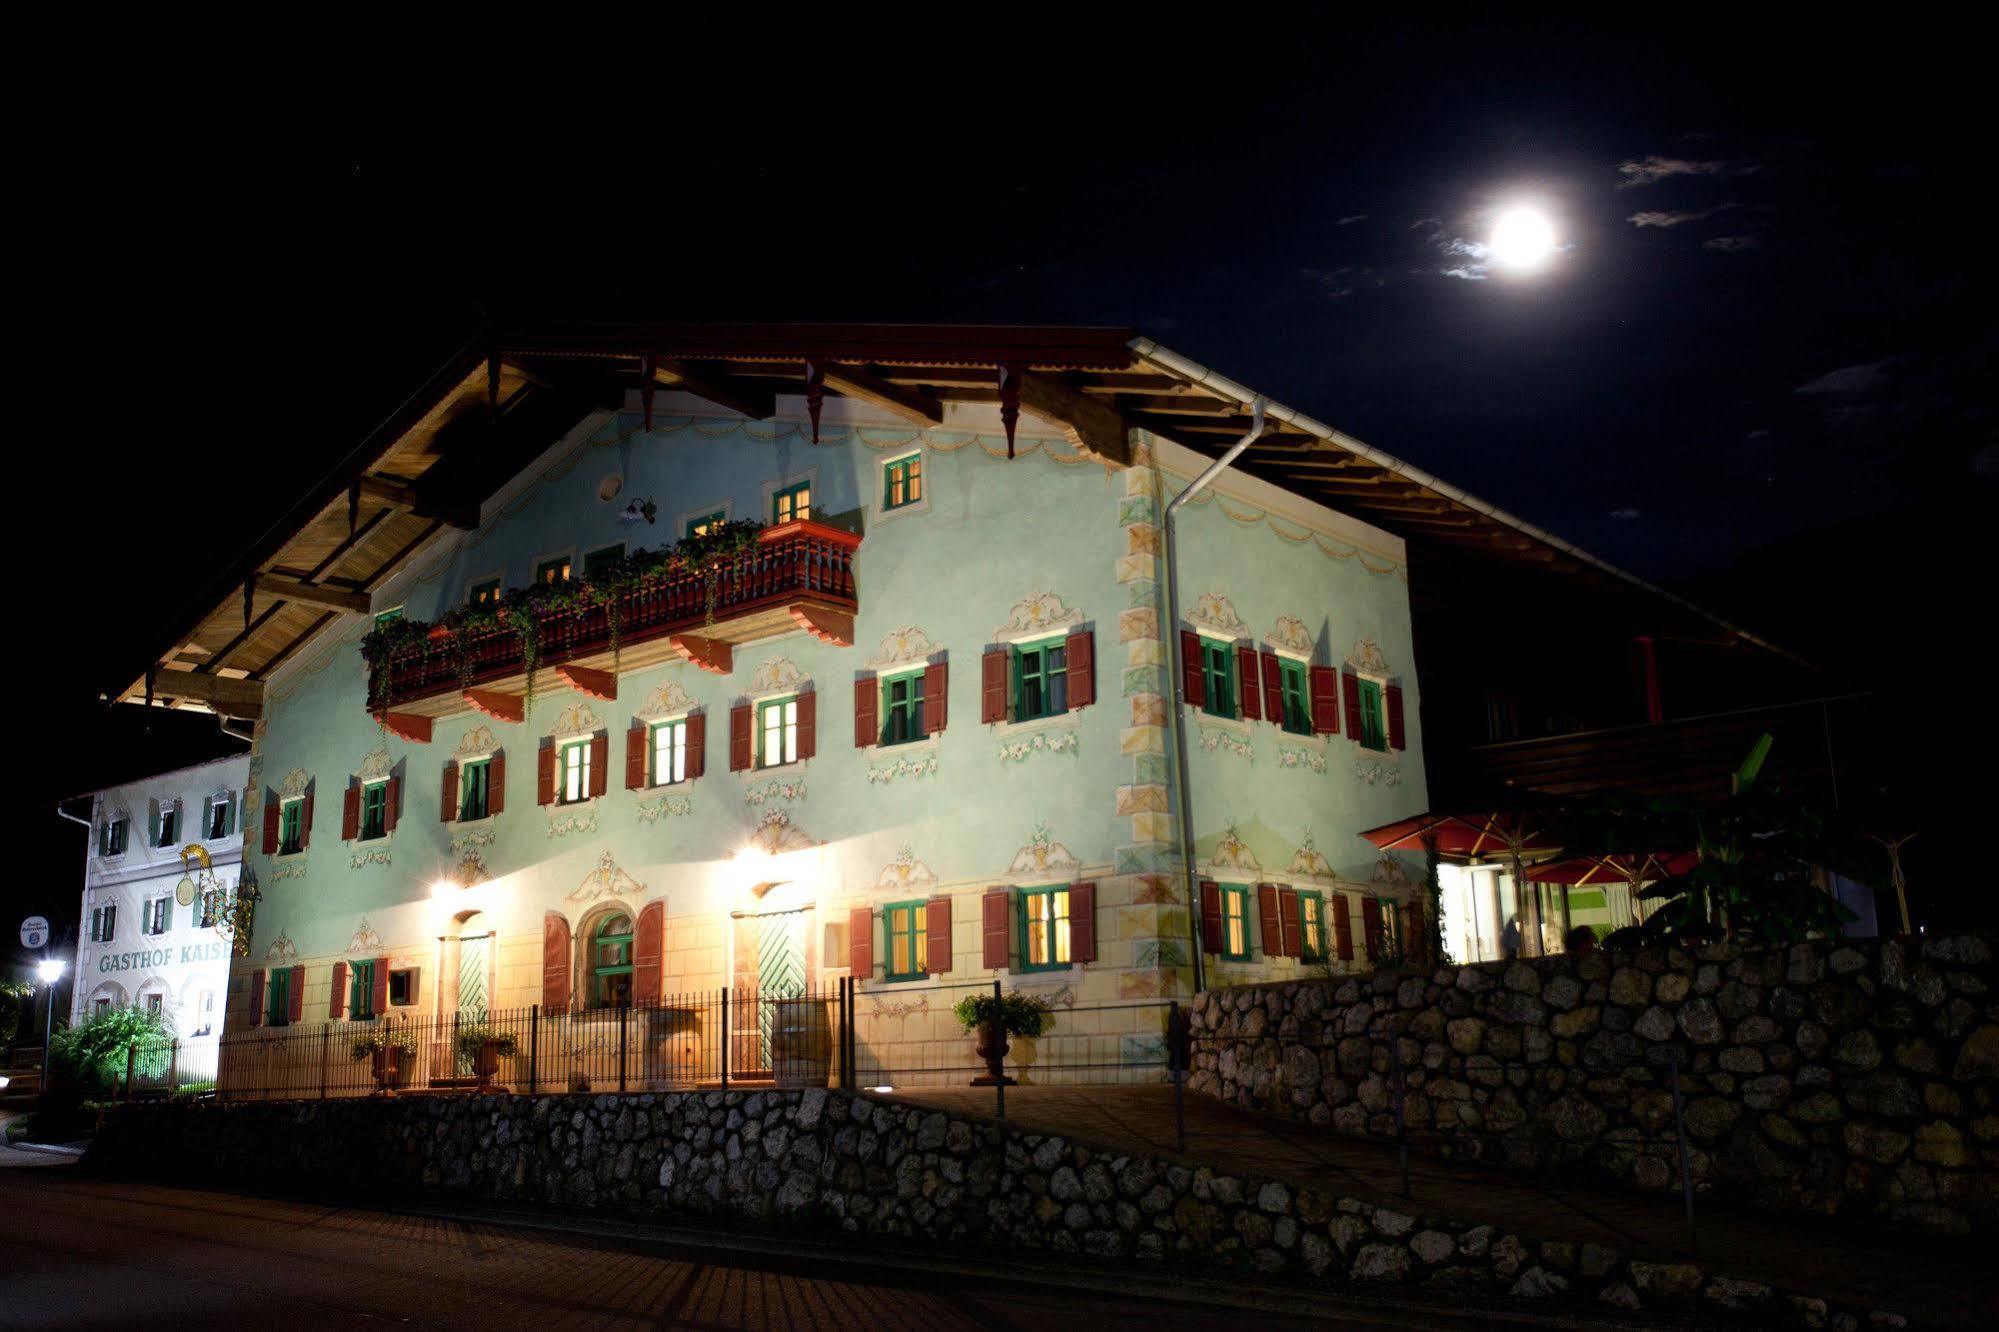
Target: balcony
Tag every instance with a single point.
(797, 576)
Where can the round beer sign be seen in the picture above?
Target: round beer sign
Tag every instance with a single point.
(34, 932)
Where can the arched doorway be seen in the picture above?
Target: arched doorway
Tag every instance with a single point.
(468, 975)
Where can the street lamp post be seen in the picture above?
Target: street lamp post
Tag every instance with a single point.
(50, 969)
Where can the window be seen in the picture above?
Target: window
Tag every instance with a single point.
(218, 818)
(598, 561)
(114, 838)
(777, 731)
(1391, 929)
(103, 923)
(483, 593)
(907, 958)
(361, 991)
(277, 998)
(703, 524)
(206, 1012)
(169, 825)
(474, 789)
(611, 963)
(154, 1003)
(291, 826)
(205, 909)
(572, 772)
(101, 1006)
(902, 482)
(552, 571)
(388, 617)
(902, 708)
(1040, 680)
(156, 916)
(1297, 696)
(1373, 726)
(1235, 922)
(669, 753)
(1311, 925)
(791, 503)
(374, 811)
(402, 987)
(1044, 928)
(1218, 674)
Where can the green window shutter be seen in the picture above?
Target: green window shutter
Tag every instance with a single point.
(152, 823)
(104, 838)
(230, 829)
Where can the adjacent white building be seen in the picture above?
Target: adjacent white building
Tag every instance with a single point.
(163, 852)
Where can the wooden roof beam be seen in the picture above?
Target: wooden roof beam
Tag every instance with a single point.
(1094, 425)
(242, 699)
(278, 587)
(707, 384)
(863, 385)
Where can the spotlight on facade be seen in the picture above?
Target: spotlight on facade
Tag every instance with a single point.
(50, 969)
(443, 888)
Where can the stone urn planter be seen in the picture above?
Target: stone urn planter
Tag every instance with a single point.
(387, 1065)
(480, 1049)
(995, 1018)
(992, 1046)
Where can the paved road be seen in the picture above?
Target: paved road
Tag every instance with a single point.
(77, 1251)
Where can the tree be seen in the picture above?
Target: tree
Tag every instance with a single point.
(93, 1054)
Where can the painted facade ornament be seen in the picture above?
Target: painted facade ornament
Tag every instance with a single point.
(1289, 756)
(372, 856)
(1039, 742)
(905, 874)
(1391, 873)
(1042, 854)
(1366, 656)
(282, 949)
(771, 792)
(478, 743)
(562, 822)
(881, 774)
(1226, 740)
(365, 939)
(577, 719)
(1232, 852)
(777, 676)
(607, 880)
(1216, 613)
(1377, 773)
(1061, 996)
(907, 646)
(294, 785)
(1291, 634)
(1309, 862)
(1038, 612)
(289, 867)
(900, 1008)
(376, 766)
(666, 806)
(776, 834)
(669, 700)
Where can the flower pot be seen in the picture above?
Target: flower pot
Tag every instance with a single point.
(486, 1061)
(992, 1047)
(387, 1064)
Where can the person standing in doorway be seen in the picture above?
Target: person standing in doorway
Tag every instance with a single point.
(1509, 940)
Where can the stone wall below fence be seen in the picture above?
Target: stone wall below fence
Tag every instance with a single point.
(1859, 1077)
(836, 1162)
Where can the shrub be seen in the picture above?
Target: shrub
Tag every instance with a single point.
(385, 1038)
(93, 1054)
(1018, 1015)
(473, 1035)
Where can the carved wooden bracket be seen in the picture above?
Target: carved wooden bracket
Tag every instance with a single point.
(826, 624)
(498, 706)
(406, 726)
(708, 654)
(597, 684)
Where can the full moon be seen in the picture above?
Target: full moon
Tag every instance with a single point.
(1522, 239)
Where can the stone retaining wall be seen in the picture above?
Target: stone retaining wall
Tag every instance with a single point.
(1857, 1078)
(836, 1162)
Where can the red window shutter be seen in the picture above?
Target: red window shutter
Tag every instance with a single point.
(379, 1003)
(350, 813)
(296, 999)
(600, 762)
(1294, 928)
(649, 954)
(554, 962)
(697, 745)
(1079, 651)
(257, 998)
(739, 738)
(496, 782)
(1325, 700)
(447, 806)
(392, 805)
(1342, 926)
(1193, 686)
(635, 758)
(1350, 689)
(1083, 922)
(1245, 674)
(936, 696)
(996, 928)
(1273, 688)
(861, 942)
(1211, 916)
(1270, 920)
(992, 686)
(305, 824)
(808, 725)
(1370, 920)
(867, 716)
(338, 1008)
(270, 822)
(544, 774)
(1391, 700)
(937, 936)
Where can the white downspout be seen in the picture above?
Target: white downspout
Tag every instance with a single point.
(1183, 786)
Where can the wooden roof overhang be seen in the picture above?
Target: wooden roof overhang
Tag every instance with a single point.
(509, 393)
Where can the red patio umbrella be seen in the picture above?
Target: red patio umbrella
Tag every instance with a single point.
(1629, 868)
(1486, 834)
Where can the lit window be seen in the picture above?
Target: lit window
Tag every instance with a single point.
(1218, 674)
(902, 708)
(1311, 926)
(907, 955)
(791, 503)
(374, 810)
(291, 827)
(1297, 696)
(703, 524)
(573, 772)
(483, 594)
(777, 730)
(902, 482)
(611, 963)
(669, 753)
(1044, 932)
(474, 789)
(1040, 680)
(1235, 922)
(552, 571)
(1373, 726)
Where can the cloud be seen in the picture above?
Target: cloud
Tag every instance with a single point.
(1732, 244)
(1652, 169)
(1627, 514)
(1349, 221)
(1849, 381)
(1662, 218)
(1466, 259)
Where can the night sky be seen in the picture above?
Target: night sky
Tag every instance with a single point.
(1761, 367)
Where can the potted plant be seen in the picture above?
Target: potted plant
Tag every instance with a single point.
(391, 1049)
(995, 1019)
(482, 1046)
